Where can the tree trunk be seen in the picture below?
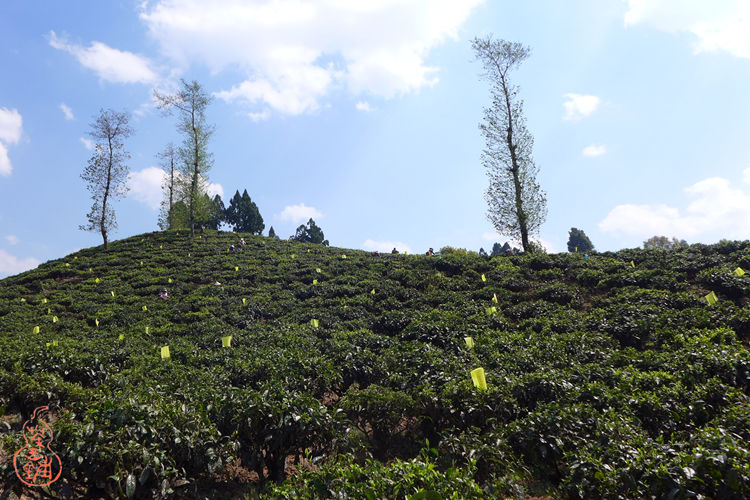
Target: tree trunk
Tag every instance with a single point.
(103, 219)
(515, 170)
(194, 185)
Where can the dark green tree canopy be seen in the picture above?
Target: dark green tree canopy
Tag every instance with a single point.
(272, 233)
(310, 234)
(243, 214)
(578, 241)
(663, 243)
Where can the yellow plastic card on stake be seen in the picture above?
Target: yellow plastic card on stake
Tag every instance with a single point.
(113, 293)
(294, 256)
(632, 263)
(49, 311)
(121, 337)
(483, 278)
(35, 330)
(739, 272)
(145, 308)
(236, 268)
(317, 270)
(308, 250)
(469, 342)
(711, 298)
(147, 330)
(141, 262)
(96, 280)
(226, 341)
(491, 310)
(494, 298)
(96, 321)
(23, 300)
(91, 270)
(54, 319)
(315, 282)
(477, 376)
(44, 301)
(244, 301)
(67, 265)
(165, 352)
(315, 323)
(53, 343)
(372, 291)
(343, 256)
(169, 280)
(406, 252)
(161, 246)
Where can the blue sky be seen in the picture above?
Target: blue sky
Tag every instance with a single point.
(364, 115)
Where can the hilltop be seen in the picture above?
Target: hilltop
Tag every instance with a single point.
(349, 375)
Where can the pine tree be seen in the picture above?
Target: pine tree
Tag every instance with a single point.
(272, 233)
(243, 214)
(578, 241)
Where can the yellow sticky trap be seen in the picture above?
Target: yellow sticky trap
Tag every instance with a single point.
(96, 280)
(113, 293)
(169, 280)
(145, 308)
(494, 298)
(317, 270)
(35, 330)
(711, 298)
(491, 310)
(632, 264)
(477, 376)
(141, 262)
(49, 311)
(343, 256)
(160, 247)
(236, 268)
(739, 272)
(226, 341)
(54, 319)
(121, 337)
(244, 301)
(44, 301)
(483, 278)
(372, 291)
(315, 282)
(294, 256)
(308, 250)
(75, 258)
(469, 342)
(96, 321)
(314, 323)
(146, 330)
(23, 300)
(165, 352)
(67, 265)
(53, 343)
(91, 270)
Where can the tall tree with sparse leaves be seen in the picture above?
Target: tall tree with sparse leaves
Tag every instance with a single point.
(190, 103)
(168, 163)
(106, 173)
(517, 205)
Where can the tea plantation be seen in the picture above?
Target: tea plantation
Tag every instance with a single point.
(349, 376)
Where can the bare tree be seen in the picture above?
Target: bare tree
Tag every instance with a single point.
(168, 159)
(191, 102)
(106, 172)
(517, 206)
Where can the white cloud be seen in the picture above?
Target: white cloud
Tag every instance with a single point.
(67, 111)
(110, 64)
(299, 213)
(720, 25)
(10, 264)
(11, 126)
(145, 186)
(580, 106)
(87, 143)
(12, 239)
(295, 53)
(594, 150)
(5, 166)
(490, 236)
(719, 210)
(386, 246)
(260, 116)
(363, 106)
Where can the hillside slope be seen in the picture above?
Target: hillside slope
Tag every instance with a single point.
(605, 376)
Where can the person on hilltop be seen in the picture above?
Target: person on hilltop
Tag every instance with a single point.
(376, 254)
(164, 294)
(242, 242)
(231, 248)
(430, 252)
(394, 250)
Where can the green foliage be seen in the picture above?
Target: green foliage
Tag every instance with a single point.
(578, 241)
(664, 243)
(310, 234)
(243, 214)
(604, 380)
